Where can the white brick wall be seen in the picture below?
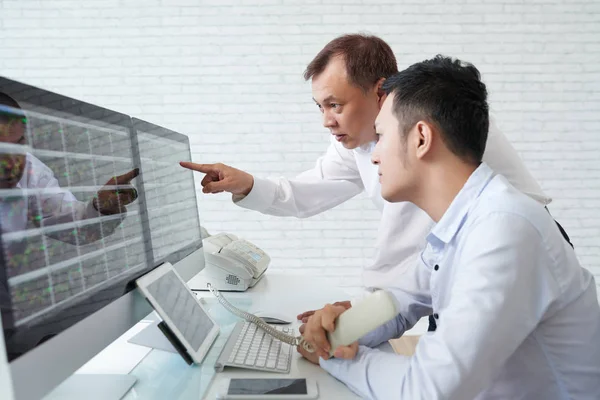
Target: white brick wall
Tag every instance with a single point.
(229, 74)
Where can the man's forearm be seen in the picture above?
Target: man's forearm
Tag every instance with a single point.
(372, 374)
(296, 198)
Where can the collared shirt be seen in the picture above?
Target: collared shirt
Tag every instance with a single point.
(51, 201)
(342, 174)
(49, 204)
(518, 317)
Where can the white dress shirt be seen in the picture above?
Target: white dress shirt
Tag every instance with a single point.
(342, 174)
(518, 317)
(49, 204)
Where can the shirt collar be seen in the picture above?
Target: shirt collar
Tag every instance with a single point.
(452, 220)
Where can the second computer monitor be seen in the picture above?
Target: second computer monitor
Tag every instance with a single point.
(170, 198)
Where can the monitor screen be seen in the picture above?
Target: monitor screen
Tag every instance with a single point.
(72, 230)
(168, 191)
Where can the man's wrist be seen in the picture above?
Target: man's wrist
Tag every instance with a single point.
(249, 188)
(260, 197)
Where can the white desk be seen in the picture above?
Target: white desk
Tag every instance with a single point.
(165, 375)
(291, 295)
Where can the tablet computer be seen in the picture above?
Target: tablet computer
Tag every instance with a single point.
(186, 323)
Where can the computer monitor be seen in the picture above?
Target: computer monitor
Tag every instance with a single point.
(170, 196)
(73, 237)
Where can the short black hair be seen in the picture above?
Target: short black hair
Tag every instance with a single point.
(448, 93)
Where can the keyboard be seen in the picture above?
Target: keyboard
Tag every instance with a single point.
(250, 347)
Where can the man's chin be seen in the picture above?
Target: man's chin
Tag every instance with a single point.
(392, 197)
(350, 144)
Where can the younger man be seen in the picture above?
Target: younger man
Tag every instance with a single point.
(518, 317)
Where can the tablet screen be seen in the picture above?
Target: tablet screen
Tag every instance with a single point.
(180, 305)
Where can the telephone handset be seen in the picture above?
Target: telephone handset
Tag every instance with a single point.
(371, 312)
(231, 263)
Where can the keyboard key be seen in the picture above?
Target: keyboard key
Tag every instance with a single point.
(282, 366)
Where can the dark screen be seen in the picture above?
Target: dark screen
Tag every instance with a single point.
(267, 386)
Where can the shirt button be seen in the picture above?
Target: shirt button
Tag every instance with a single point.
(436, 267)
(436, 316)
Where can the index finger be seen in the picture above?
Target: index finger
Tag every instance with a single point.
(127, 177)
(204, 168)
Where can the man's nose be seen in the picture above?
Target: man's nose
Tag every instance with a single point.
(328, 120)
(375, 156)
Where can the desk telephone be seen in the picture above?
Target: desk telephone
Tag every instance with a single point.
(371, 312)
(231, 263)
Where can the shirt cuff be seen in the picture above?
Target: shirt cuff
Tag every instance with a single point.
(371, 374)
(345, 370)
(261, 196)
(90, 211)
(335, 366)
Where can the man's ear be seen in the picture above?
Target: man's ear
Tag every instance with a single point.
(381, 95)
(424, 138)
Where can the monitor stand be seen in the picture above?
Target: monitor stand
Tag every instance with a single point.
(107, 386)
(93, 387)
